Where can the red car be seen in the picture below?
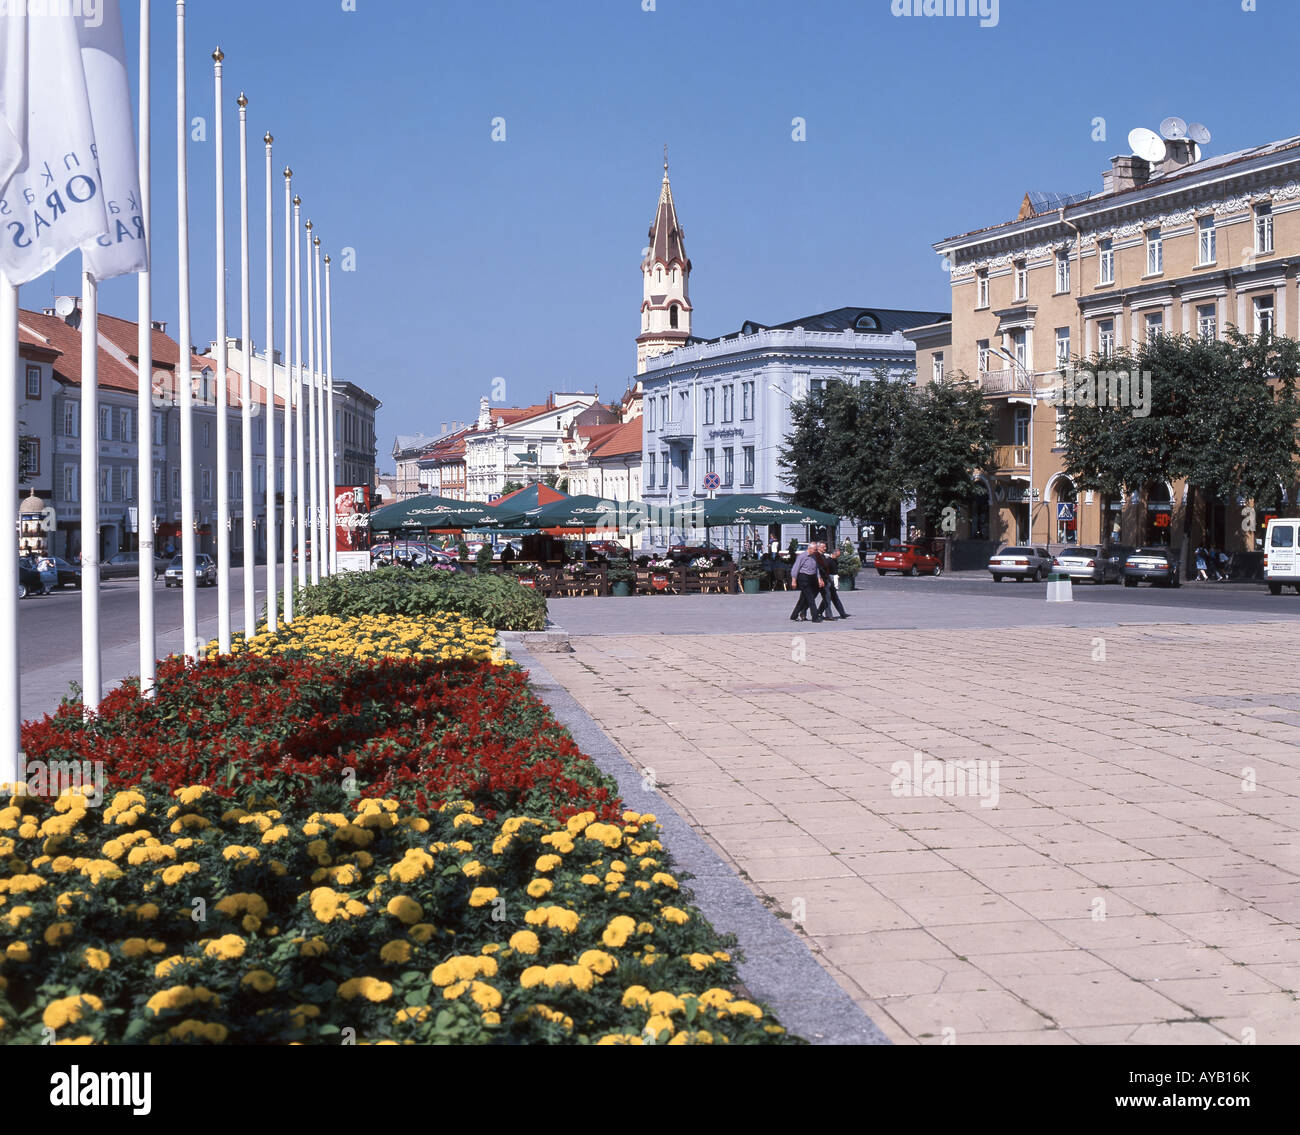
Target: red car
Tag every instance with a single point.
(910, 559)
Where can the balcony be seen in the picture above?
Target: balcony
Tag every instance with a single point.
(1011, 380)
(1011, 458)
(681, 431)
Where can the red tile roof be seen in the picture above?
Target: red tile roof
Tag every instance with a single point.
(624, 438)
(113, 374)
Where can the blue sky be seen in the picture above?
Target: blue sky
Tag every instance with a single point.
(477, 259)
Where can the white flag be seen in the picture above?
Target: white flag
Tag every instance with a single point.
(123, 248)
(51, 197)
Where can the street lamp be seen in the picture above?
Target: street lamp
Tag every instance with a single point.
(1033, 405)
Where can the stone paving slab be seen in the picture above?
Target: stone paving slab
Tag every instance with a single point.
(1137, 880)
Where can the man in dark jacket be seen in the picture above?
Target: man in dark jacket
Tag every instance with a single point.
(827, 566)
(804, 572)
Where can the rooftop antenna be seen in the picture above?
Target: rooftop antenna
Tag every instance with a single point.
(1146, 144)
(1198, 134)
(1173, 129)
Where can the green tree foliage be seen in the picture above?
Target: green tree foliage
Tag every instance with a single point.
(947, 437)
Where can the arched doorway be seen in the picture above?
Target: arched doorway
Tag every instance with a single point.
(1064, 498)
(979, 511)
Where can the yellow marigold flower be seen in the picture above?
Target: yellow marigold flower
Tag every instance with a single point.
(461, 845)
(422, 932)
(190, 795)
(18, 952)
(238, 852)
(97, 869)
(465, 819)
(312, 828)
(23, 884)
(353, 908)
(191, 1029)
(178, 871)
(417, 823)
(259, 979)
(96, 959)
(618, 931)
(635, 996)
(313, 948)
(532, 976)
(606, 834)
(562, 841)
(548, 862)
(412, 1013)
(580, 977)
(146, 912)
(179, 997)
(491, 1018)
(473, 869)
(576, 824)
(672, 914)
(28, 830)
(598, 961)
(746, 1009)
(524, 942)
(150, 854)
(620, 1038)
(412, 865)
(228, 947)
(15, 916)
(590, 880)
(405, 908)
(395, 951)
(366, 987)
(275, 834)
(165, 967)
(539, 888)
(658, 1024)
(134, 947)
(664, 879)
(665, 1003)
(481, 896)
(485, 996)
(67, 1010)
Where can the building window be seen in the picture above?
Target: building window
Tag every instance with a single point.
(1021, 427)
(746, 401)
(157, 485)
(684, 472)
(1263, 315)
(29, 458)
(1207, 321)
(1106, 338)
(176, 484)
(1208, 244)
(206, 480)
(728, 403)
(748, 452)
(1105, 262)
(728, 466)
(650, 415)
(261, 431)
(124, 425)
(71, 418)
(663, 410)
(1062, 346)
(176, 432)
(663, 470)
(982, 288)
(1263, 229)
(1022, 280)
(936, 367)
(125, 478)
(105, 484)
(1155, 252)
(33, 382)
(159, 428)
(708, 461)
(708, 405)
(1155, 325)
(1061, 414)
(1020, 348)
(70, 482)
(207, 435)
(982, 355)
(1062, 271)
(105, 423)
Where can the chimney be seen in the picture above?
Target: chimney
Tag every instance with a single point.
(1127, 171)
(442, 429)
(159, 325)
(1178, 154)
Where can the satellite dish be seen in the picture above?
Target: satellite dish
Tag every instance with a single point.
(1173, 128)
(1196, 152)
(1146, 144)
(64, 306)
(1198, 133)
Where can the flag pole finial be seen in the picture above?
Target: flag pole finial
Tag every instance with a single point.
(316, 241)
(242, 100)
(296, 201)
(288, 173)
(327, 258)
(268, 138)
(218, 55)
(309, 225)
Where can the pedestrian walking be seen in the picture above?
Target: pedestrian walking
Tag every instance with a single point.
(830, 593)
(1202, 563)
(807, 578)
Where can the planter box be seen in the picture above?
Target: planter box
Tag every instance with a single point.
(848, 583)
(621, 587)
(751, 586)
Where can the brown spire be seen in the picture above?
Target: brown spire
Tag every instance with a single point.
(667, 241)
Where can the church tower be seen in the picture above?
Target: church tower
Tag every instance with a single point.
(666, 274)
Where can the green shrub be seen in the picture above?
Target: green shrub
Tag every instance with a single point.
(496, 600)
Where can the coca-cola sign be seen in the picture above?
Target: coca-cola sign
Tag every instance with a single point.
(352, 519)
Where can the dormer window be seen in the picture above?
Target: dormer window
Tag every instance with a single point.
(866, 322)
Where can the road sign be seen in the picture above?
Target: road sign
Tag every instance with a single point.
(712, 481)
(493, 498)
(1064, 511)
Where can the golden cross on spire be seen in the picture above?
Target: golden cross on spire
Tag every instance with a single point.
(665, 159)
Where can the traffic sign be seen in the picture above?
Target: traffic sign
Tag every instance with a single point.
(1064, 511)
(712, 481)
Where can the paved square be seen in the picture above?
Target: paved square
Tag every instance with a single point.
(1136, 879)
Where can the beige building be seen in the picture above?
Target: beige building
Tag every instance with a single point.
(1178, 245)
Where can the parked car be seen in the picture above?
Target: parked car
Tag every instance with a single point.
(1281, 560)
(69, 574)
(908, 559)
(1019, 562)
(695, 551)
(32, 580)
(205, 571)
(1099, 565)
(1157, 565)
(125, 565)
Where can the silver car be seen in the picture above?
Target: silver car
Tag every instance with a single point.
(1158, 565)
(1021, 561)
(205, 571)
(1099, 565)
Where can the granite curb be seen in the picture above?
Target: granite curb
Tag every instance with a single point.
(778, 968)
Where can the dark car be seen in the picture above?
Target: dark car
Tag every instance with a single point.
(69, 574)
(1157, 565)
(126, 565)
(33, 581)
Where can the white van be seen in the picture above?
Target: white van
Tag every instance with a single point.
(1282, 554)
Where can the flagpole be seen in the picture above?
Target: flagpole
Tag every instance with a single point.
(313, 457)
(189, 595)
(246, 380)
(288, 395)
(329, 382)
(321, 455)
(12, 769)
(146, 535)
(222, 525)
(272, 600)
(297, 390)
(92, 686)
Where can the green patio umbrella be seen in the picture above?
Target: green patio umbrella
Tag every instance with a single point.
(590, 513)
(746, 508)
(431, 512)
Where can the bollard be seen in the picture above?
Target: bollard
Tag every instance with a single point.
(1059, 589)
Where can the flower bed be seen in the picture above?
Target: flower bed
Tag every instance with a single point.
(422, 730)
(177, 918)
(425, 591)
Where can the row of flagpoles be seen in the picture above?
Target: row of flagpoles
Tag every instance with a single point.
(65, 120)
